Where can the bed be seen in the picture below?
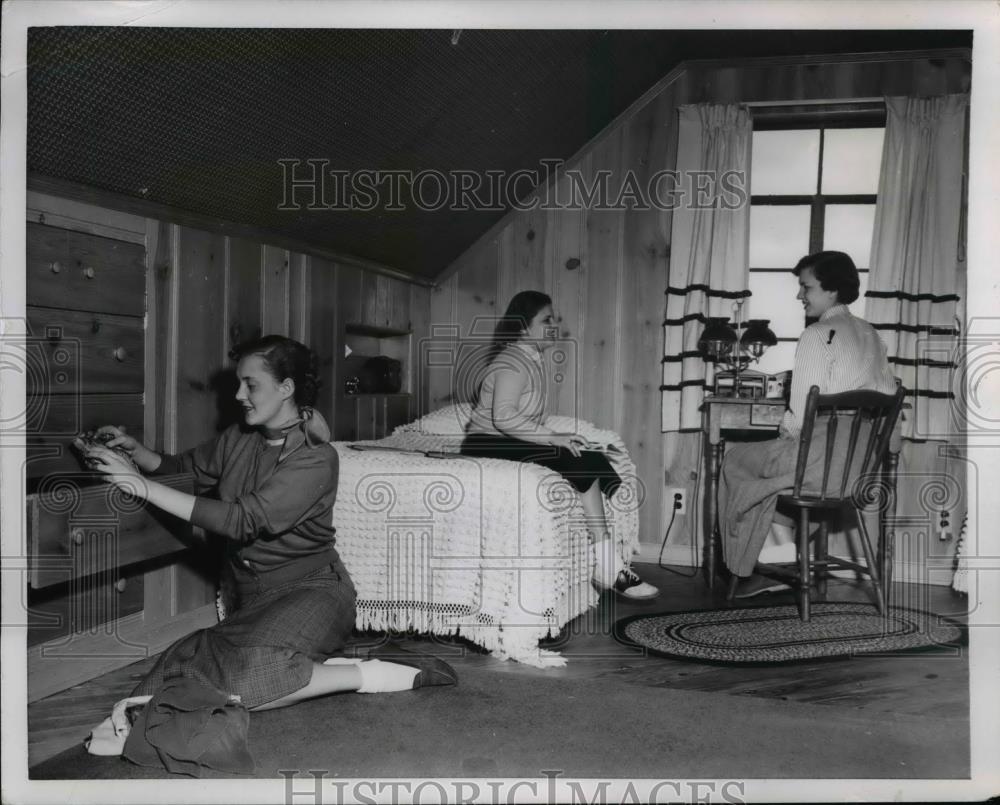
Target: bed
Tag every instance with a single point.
(493, 551)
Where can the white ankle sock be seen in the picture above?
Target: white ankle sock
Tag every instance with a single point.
(606, 565)
(342, 661)
(378, 676)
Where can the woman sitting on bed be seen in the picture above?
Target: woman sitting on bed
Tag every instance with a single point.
(838, 352)
(507, 423)
(274, 482)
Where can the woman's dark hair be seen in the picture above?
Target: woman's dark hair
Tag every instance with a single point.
(520, 312)
(284, 358)
(835, 271)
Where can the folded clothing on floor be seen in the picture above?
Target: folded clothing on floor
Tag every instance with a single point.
(188, 726)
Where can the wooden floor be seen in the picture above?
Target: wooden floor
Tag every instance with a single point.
(914, 684)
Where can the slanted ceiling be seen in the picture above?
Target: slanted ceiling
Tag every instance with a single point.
(197, 119)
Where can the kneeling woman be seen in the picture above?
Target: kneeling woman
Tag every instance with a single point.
(507, 423)
(291, 599)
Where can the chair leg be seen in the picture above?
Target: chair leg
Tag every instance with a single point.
(731, 593)
(873, 569)
(822, 552)
(805, 580)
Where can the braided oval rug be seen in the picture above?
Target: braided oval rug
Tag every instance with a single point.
(776, 634)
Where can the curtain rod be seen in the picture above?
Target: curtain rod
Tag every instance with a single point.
(814, 102)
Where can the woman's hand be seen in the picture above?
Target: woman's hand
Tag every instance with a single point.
(117, 469)
(117, 438)
(569, 441)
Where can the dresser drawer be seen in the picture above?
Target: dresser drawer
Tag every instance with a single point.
(101, 352)
(76, 270)
(75, 532)
(53, 421)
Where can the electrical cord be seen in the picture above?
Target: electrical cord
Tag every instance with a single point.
(694, 523)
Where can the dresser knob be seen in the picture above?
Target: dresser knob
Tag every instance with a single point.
(120, 585)
(88, 272)
(120, 353)
(77, 536)
(55, 266)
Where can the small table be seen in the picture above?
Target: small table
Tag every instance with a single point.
(731, 414)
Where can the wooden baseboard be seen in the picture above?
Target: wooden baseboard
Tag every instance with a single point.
(65, 662)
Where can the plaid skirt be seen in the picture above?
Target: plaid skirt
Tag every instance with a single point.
(266, 648)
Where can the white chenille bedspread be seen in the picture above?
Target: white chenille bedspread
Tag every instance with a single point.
(494, 551)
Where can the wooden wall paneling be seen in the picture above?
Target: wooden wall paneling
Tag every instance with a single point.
(601, 377)
(528, 239)
(350, 294)
(420, 322)
(398, 301)
(204, 399)
(349, 305)
(275, 290)
(299, 283)
(159, 601)
(437, 372)
(507, 281)
(398, 411)
(322, 337)
(644, 272)
(478, 307)
(373, 299)
(567, 241)
(200, 336)
(244, 280)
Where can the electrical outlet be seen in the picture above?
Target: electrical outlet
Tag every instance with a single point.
(677, 497)
(943, 529)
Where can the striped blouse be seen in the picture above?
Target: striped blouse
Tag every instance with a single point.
(839, 352)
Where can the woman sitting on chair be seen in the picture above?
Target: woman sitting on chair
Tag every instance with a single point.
(290, 598)
(838, 352)
(507, 423)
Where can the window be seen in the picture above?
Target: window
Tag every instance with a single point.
(813, 185)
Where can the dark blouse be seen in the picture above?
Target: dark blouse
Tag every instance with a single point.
(273, 503)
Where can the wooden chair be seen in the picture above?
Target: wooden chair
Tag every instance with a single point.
(838, 411)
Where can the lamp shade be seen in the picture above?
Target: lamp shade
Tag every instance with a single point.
(757, 337)
(718, 338)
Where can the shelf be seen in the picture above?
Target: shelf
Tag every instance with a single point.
(374, 331)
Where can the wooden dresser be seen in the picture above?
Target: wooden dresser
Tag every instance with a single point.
(89, 547)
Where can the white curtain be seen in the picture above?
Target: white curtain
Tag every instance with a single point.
(913, 296)
(709, 253)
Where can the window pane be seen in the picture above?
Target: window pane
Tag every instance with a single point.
(848, 228)
(778, 358)
(784, 163)
(779, 236)
(774, 299)
(851, 160)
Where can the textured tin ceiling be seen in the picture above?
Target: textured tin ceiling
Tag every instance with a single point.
(198, 119)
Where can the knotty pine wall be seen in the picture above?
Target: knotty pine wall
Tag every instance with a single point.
(612, 306)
